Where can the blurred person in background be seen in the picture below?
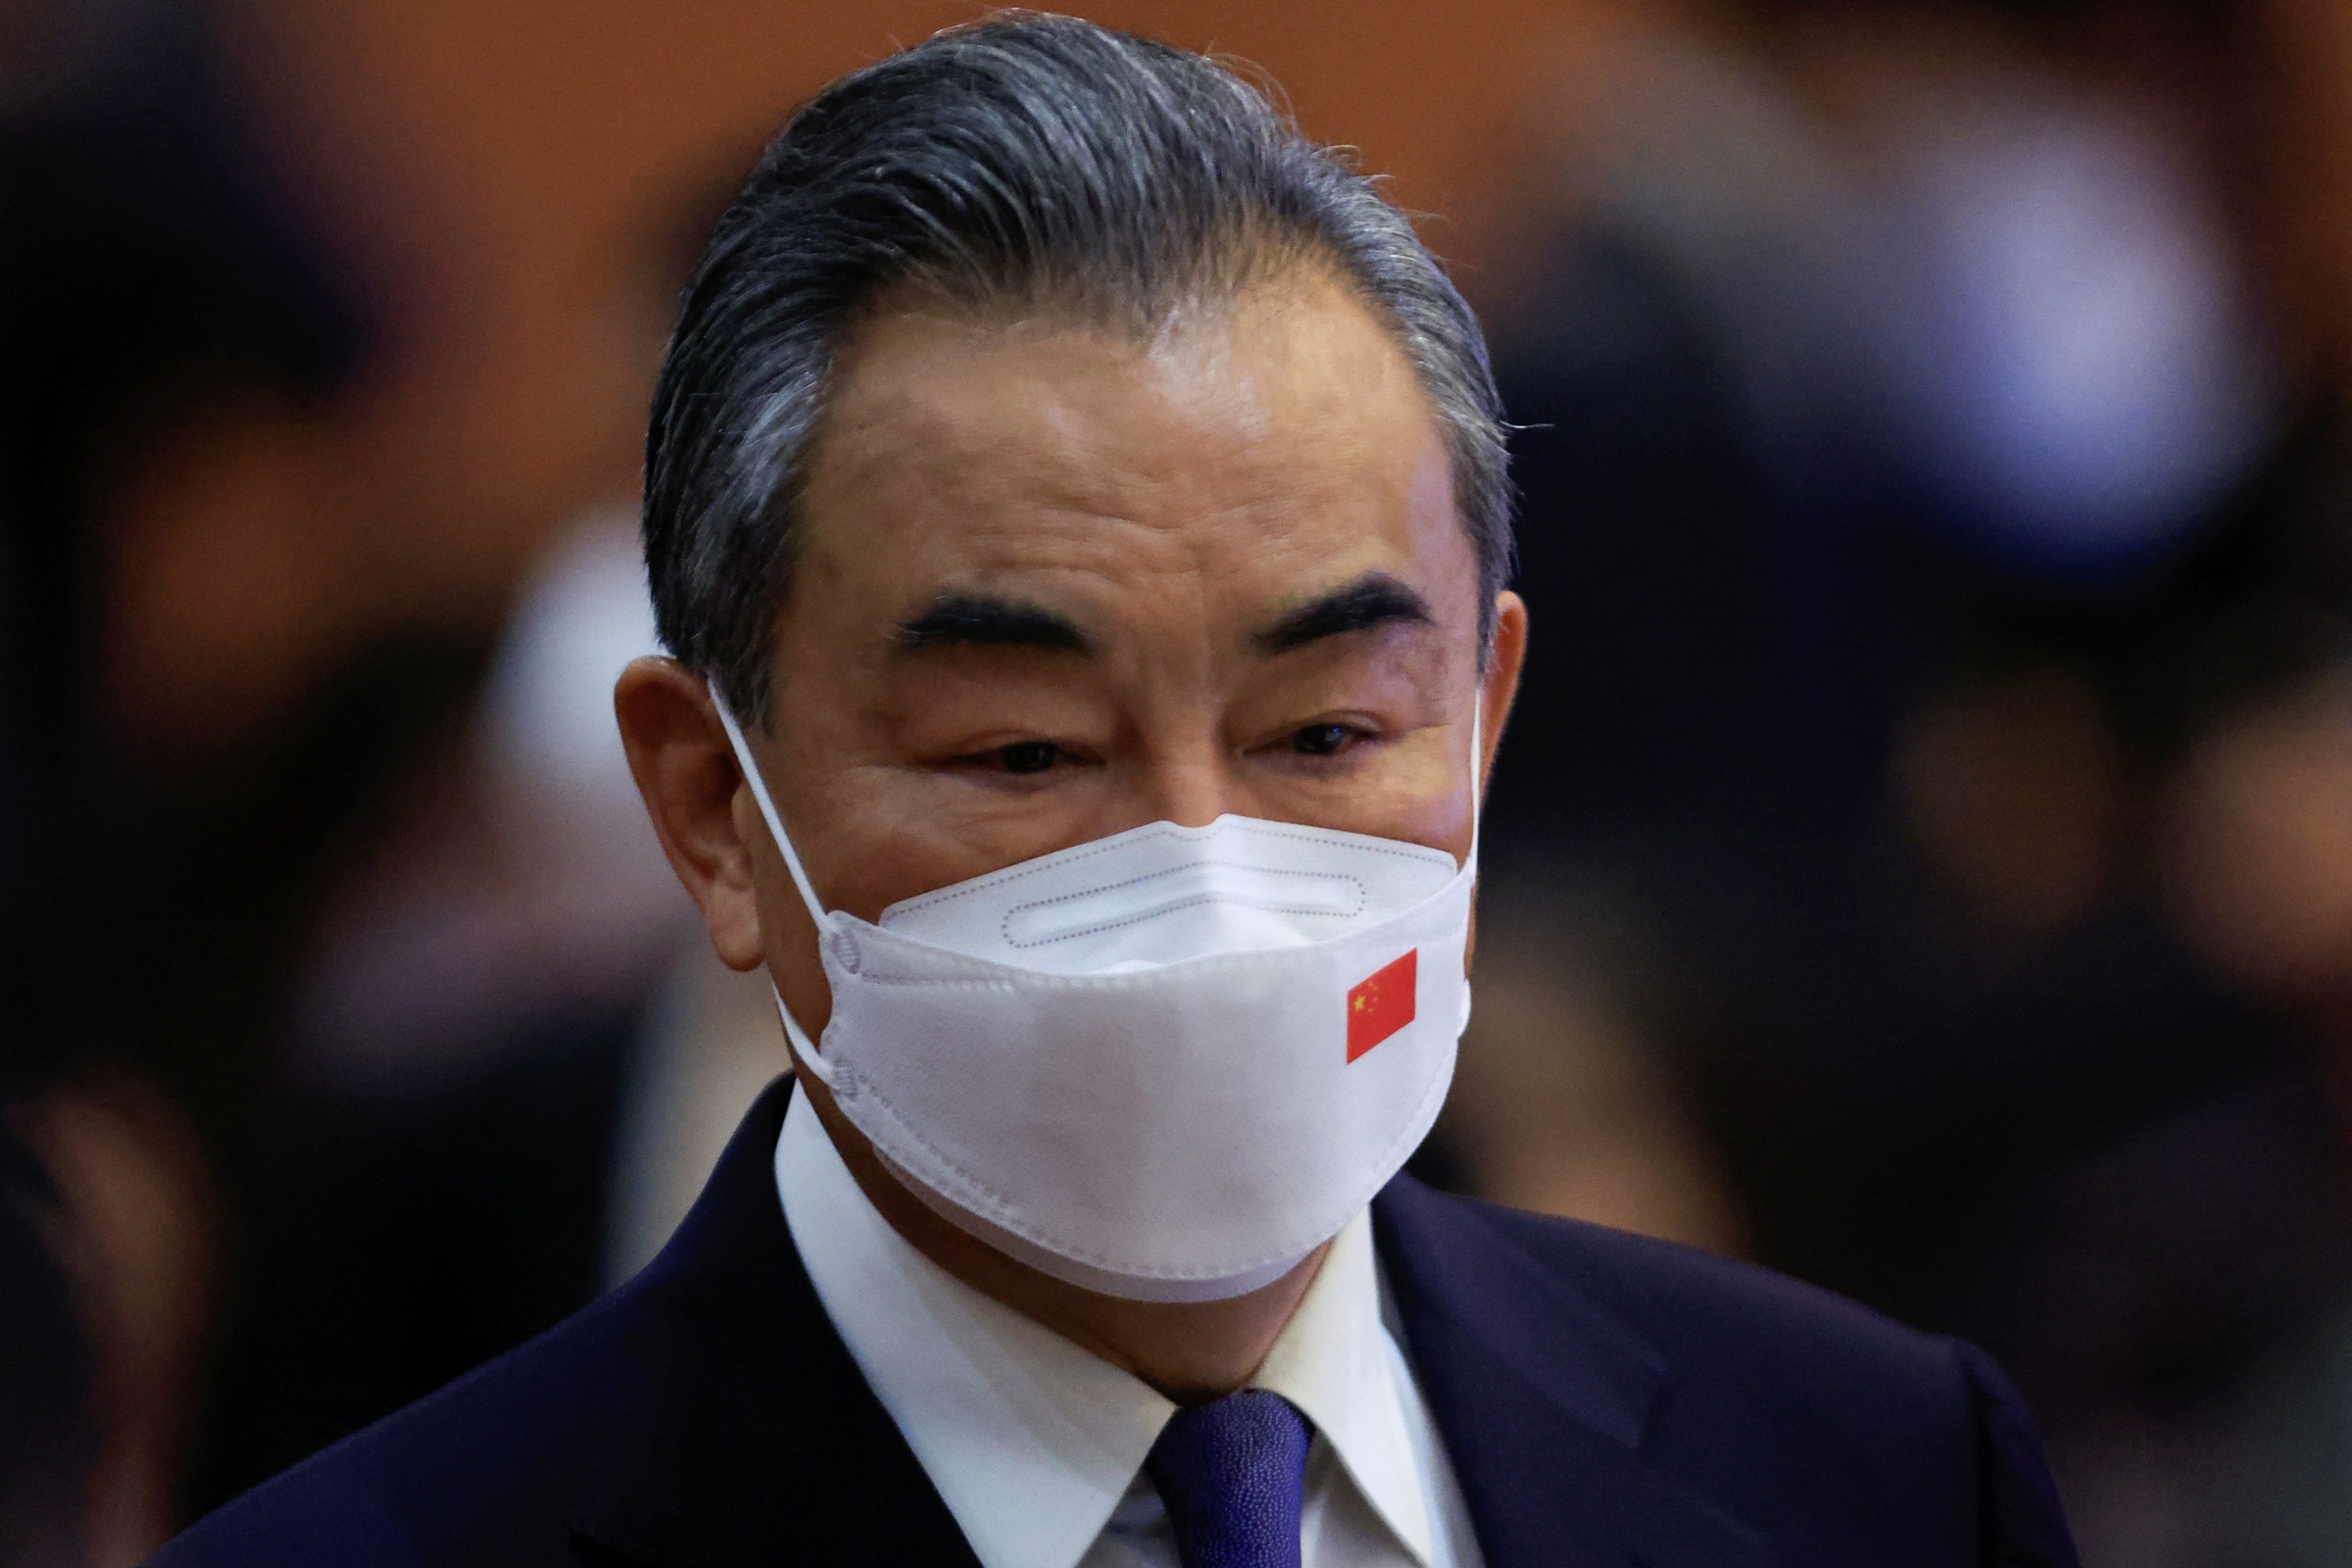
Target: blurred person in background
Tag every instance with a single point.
(497, 1060)
(148, 268)
(511, 1061)
(1932, 435)
(249, 592)
(1055, 441)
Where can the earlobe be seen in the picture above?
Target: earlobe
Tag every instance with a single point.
(687, 775)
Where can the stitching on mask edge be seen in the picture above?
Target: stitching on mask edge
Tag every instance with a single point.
(949, 896)
(1004, 926)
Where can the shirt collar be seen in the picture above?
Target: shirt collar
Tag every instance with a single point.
(1033, 1440)
(1336, 1361)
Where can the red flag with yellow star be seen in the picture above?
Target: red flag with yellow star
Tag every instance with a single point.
(1382, 1005)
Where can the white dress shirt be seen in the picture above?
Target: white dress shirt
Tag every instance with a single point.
(1037, 1446)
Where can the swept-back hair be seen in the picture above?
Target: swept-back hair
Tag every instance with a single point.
(1024, 162)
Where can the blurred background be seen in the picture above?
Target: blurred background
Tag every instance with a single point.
(1922, 859)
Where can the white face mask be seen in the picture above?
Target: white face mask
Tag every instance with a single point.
(1166, 1065)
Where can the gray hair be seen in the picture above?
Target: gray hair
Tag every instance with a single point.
(1024, 161)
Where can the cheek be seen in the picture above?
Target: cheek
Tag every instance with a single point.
(891, 833)
(1416, 789)
(878, 847)
(1434, 799)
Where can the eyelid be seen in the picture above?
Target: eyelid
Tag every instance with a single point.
(1363, 723)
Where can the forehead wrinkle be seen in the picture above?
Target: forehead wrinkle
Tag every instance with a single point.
(1199, 378)
(915, 456)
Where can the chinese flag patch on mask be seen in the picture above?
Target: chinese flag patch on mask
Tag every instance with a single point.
(1382, 1005)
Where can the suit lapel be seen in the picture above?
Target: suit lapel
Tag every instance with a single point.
(1543, 1401)
(766, 1445)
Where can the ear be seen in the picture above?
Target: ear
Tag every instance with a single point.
(688, 775)
(1497, 690)
(1498, 687)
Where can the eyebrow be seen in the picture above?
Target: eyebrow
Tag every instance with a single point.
(1375, 598)
(959, 620)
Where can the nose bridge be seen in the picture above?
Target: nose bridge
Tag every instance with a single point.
(1185, 773)
(1182, 769)
(1192, 786)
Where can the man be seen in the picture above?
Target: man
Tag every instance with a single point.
(1076, 507)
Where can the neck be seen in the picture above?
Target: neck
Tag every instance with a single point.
(1189, 1351)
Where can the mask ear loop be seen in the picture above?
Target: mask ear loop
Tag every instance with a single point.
(803, 1048)
(1478, 773)
(767, 807)
(1478, 813)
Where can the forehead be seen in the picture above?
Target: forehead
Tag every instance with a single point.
(1284, 424)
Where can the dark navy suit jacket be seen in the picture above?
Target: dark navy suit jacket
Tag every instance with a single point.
(1605, 1399)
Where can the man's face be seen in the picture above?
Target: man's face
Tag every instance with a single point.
(1053, 585)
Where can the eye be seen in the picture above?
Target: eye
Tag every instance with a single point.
(1322, 740)
(1027, 757)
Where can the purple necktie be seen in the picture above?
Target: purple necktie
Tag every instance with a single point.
(1232, 1473)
